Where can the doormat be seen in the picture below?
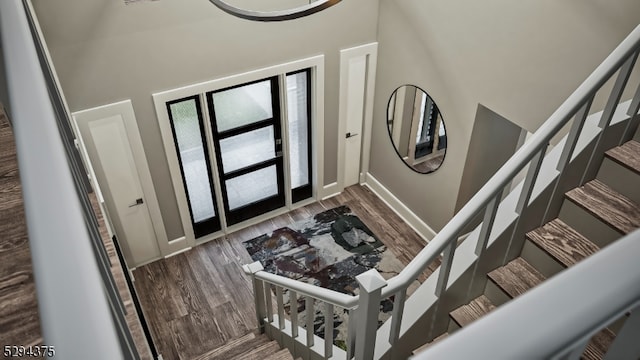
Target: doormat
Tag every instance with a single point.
(328, 250)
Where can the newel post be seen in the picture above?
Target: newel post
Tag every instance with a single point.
(371, 284)
(258, 291)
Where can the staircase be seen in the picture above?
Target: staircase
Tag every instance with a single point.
(248, 347)
(609, 203)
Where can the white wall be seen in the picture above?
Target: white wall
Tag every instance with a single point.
(105, 51)
(518, 58)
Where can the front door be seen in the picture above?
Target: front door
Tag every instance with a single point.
(246, 128)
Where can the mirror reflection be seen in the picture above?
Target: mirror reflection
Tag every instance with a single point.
(416, 129)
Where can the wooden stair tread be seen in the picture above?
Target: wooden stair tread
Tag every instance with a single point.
(283, 354)
(234, 347)
(466, 314)
(562, 242)
(516, 277)
(606, 204)
(598, 345)
(627, 155)
(260, 352)
(425, 346)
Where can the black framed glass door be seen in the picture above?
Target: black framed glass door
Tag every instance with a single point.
(247, 134)
(187, 125)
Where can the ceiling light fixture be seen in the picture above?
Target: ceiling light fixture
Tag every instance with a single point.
(279, 15)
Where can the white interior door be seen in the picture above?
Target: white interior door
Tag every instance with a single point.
(357, 73)
(355, 115)
(106, 133)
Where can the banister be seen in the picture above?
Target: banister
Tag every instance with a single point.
(75, 315)
(532, 152)
(518, 161)
(558, 315)
(492, 189)
(327, 295)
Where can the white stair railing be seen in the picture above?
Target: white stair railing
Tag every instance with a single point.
(557, 319)
(362, 340)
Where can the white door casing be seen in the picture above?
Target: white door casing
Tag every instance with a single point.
(160, 99)
(357, 81)
(114, 149)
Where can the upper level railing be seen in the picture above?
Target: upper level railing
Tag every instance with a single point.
(80, 310)
(373, 288)
(584, 301)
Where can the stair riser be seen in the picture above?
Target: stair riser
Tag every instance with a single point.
(453, 327)
(540, 260)
(586, 224)
(620, 179)
(495, 294)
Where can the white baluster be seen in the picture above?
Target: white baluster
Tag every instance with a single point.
(351, 333)
(280, 305)
(310, 315)
(445, 267)
(371, 284)
(487, 223)
(268, 301)
(574, 135)
(328, 330)
(634, 107)
(293, 309)
(530, 180)
(607, 113)
(258, 291)
(396, 317)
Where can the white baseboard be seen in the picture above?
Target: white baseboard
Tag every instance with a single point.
(424, 230)
(330, 190)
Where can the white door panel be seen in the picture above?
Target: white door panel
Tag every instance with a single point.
(113, 149)
(114, 154)
(355, 115)
(357, 73)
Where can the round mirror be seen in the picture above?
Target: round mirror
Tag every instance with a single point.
(416, 129)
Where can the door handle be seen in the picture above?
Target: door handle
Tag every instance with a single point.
(138, 202)
(350, 135)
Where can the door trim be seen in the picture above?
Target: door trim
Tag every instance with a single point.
(371, 52)
(316, 63)
(125, 110)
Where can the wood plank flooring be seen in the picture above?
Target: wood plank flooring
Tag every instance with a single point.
(19, 319)
(198, 300)
(131, 316)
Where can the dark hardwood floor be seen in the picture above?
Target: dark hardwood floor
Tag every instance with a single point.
(198, 300)
(19, 319)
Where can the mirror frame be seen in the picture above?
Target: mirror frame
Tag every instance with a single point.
(391, 110)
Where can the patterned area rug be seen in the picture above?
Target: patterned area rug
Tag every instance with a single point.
(328, 250)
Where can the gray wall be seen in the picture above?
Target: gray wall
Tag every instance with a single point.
(105, 51)
(519, 58)
(494, 140)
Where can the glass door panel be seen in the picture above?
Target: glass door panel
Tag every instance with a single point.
(246, 128)
(243, 105)
(299, 125)
(188, 134)
(252, 187)
(247, 149)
